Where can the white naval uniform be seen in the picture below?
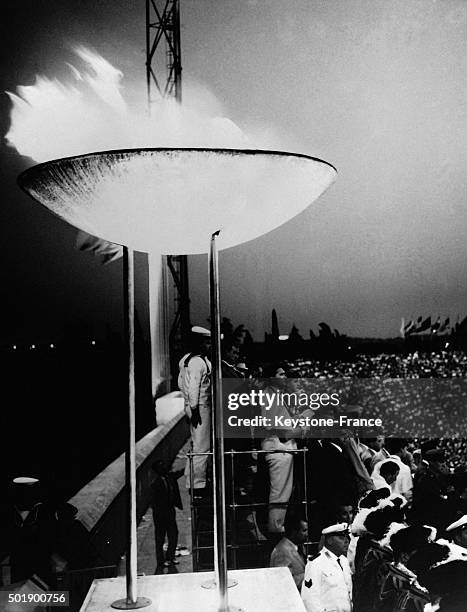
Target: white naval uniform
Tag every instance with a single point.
(326, 587)
(194, 381)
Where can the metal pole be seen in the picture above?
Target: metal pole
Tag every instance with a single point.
(233, 514)
(194, 517)
(178, 51)
(132, 600)
(305, 487)
(131, 557)
(220, 547)
(148, 56)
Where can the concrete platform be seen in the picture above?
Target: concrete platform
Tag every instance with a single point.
(258, 590)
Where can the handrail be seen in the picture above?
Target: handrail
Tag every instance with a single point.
(101, 502)
(233, 506)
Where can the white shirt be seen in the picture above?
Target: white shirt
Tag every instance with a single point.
(352, 552)
(380, 483)
(327, 587)
(194, 381)
(404, 483)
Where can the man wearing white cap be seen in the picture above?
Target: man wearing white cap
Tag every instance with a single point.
(327, 584)
(457, 531)
(27, 531)
(194, 381)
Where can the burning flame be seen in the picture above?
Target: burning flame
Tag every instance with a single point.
(51, 119)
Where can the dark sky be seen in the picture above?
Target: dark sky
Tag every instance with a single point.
(377, 88)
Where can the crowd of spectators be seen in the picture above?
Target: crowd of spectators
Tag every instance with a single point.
(394, 504)
(417, 396)
(410, 480)
(445, 364)
(329, 505)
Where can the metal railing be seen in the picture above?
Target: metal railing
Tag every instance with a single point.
(235, 507)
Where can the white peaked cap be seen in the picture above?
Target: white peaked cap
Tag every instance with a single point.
(197, 329)
(338, 528)
(26, 480)
(459, 523)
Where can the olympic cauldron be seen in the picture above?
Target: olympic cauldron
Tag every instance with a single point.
(175, 202)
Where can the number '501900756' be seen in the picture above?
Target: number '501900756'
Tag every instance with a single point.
(53, 597)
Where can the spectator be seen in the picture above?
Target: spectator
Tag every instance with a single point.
(230, 357)
(166, 497)
(377, 451)
(407, 541)
(28, 532)
(346, 514)
(403, 485)
(332, 466)
(430, 502)
(388, 473)
(370, 452)
(279, 461)
(447, 585)
(457, 532)
(459, 500)
(349, 444)
(289, 550)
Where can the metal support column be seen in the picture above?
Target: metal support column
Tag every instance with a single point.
(132, 600)
(218, 467)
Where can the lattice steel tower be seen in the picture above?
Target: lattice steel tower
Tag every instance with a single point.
(164, 79)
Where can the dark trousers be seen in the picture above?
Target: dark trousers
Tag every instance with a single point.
(165, 523)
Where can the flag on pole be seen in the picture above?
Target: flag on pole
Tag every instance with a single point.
(325, 330)
(274, 325)
(444, 326)
(408, 329)
(424, 326)
(436, 325)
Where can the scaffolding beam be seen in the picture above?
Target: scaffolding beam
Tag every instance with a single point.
(163, 49)
(164, 80)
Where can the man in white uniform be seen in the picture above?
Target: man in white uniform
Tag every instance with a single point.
(194, 381)
(327, 584)
(457, 532)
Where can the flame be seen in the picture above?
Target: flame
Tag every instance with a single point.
(51, 119)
